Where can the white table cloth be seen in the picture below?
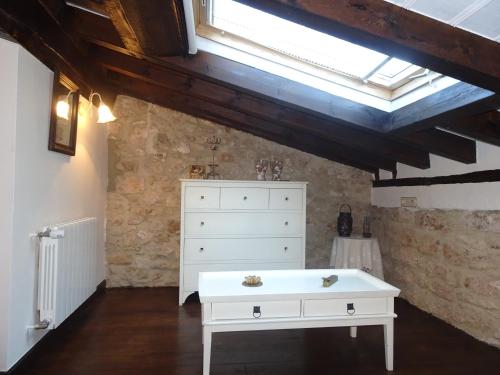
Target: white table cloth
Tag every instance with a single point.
(357, 252)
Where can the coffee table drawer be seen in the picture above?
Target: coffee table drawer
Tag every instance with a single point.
(255, 310)
(345, 307)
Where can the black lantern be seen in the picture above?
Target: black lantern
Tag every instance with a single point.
(344, 221)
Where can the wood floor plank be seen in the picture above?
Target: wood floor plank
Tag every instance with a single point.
(143, 331)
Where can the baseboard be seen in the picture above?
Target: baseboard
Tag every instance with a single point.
(101, 288)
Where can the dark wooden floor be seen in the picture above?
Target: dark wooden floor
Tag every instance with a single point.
(143, 331)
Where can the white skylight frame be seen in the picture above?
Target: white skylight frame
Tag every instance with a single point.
(370, 86)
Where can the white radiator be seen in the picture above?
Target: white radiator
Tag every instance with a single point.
(67, 275)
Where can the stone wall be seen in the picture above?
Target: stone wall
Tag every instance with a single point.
(151, 147)
(446, 262)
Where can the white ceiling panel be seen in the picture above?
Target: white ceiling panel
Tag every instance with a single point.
(444, 10)
(480, 17)
(486, 21)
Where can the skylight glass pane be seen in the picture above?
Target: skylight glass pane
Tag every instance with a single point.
(294, 40)
(393, 67)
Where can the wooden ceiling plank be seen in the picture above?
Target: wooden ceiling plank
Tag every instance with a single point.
(153, 27)
(269, 130)
(445, 144)
(265, 108)
(484, 127)
(398, 32)
(444, 107)
(116, 13)
(91, 28)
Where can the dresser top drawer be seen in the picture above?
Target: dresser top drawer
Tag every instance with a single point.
(204, 197)
(244, 198)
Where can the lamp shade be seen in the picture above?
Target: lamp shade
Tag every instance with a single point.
(104, 114)
(62, 109)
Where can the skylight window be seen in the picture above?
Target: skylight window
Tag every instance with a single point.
(266, 42)
(295, 40)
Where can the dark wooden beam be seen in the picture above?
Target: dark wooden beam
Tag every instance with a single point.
(444, 144)
(484, 127)
(444, 107)
(224, 115)
(188, 83)
(467, 178)
(395, 31)
(153, 27)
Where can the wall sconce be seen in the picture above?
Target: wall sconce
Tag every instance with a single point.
(62, 107)
(104, 114)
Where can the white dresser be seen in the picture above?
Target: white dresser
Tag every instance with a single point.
(239, 226)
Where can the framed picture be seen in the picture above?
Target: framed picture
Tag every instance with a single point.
(64, 115)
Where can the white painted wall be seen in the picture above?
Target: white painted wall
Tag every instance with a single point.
(480, 196)
(8, 79)
(48, 188)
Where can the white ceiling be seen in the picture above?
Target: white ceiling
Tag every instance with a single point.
(480, 17)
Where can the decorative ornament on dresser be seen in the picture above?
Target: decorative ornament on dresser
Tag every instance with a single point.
(344, 221)
(277, 169)
(197, 172)
(261, 168)
(240, 226)
(214, 143)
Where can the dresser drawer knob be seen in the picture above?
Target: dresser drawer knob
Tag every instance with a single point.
(202, 197)
(202, 223)
(286, 198)
(286, 248)
(350, 309)
(286, 222)
(256, 312)
(245, 198)
(201, 249)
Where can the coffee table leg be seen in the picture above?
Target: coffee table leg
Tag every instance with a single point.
(353, 332)
(389, 344)
(207, 344)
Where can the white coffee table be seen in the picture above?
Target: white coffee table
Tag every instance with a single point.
(290, 299)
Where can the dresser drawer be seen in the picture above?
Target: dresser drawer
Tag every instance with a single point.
(255, 310)
(217, 249)
(202, 197)
(244, 198)
(243, 223)
(191, 271)
(285, 199)
(345, 307)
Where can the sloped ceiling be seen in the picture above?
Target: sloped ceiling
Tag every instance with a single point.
(139, 48)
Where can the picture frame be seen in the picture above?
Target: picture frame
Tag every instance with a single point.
(63, 132)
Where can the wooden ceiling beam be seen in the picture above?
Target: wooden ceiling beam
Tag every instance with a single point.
(272, 131)
(444, 107)
(398, 32)
(36, 30)
(445, 144)
(153, 27)
(484, 127)
(266, 108)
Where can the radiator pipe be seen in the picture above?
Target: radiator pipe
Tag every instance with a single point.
(44, 324)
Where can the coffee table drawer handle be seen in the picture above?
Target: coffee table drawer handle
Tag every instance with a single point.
(350, 309)
(256, 312)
